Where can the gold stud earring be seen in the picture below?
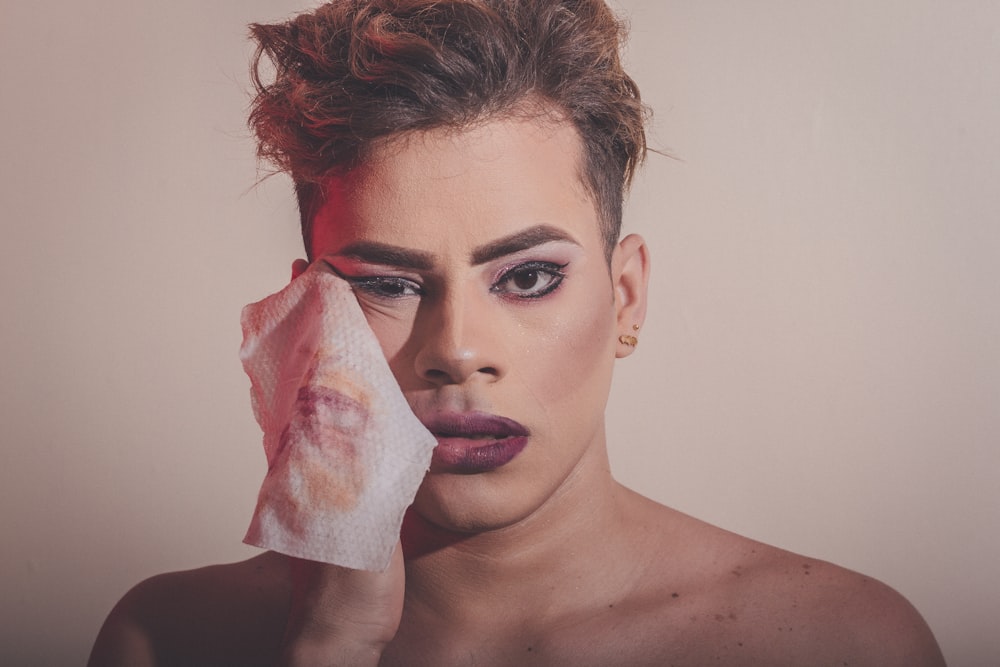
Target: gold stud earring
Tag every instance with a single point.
(626, 339)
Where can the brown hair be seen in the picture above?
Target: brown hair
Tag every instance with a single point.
(355, 72)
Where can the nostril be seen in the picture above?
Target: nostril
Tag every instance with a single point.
(457, 375)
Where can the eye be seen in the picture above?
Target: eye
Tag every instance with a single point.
(530, 280)
(385, 287)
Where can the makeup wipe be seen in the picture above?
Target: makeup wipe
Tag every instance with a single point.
(345, 453)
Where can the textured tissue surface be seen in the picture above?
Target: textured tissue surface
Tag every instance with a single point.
(345, 453)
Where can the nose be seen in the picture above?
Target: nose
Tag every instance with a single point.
(458, 342)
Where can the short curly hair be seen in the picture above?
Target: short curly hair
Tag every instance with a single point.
(353, 73)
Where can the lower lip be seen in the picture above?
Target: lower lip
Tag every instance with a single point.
(467, 456)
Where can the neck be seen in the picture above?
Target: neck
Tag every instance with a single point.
(583, 532)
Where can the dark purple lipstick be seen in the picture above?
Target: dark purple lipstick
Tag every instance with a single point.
(474, 442)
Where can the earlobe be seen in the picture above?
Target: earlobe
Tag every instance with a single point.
(298, 267)
(630, 272)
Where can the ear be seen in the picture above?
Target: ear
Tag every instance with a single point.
(630, 277)
(298, 266)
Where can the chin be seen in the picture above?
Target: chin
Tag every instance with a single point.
(471, 504)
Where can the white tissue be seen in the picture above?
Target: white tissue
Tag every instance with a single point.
(345, 453)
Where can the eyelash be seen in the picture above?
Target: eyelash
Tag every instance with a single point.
(554, 271)
(376, 285)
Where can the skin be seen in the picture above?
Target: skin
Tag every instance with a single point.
(546, 560)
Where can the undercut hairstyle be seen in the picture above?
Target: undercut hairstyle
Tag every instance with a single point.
(353, 74)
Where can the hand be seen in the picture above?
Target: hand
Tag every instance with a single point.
(340, 616)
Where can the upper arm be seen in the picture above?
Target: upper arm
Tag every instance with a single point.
(124, 639)
(218, 615)
(816, 613)
(888, 631)
(849, 619)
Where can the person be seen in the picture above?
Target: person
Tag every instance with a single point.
(462, 164)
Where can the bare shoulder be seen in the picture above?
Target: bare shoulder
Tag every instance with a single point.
(752, 603)
(196, 616)
(839, 613)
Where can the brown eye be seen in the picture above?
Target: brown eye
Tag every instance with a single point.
(525, 279)
(530, 280)
(385, 287)
(393, 289)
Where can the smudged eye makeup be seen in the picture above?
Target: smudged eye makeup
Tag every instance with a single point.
(384, 287)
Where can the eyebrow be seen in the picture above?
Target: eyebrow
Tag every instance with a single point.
(373, 252)
(386, 254)
(522, 240)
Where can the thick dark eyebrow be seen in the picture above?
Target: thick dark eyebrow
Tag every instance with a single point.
(373, 252)
(387, 255)
(522, 240)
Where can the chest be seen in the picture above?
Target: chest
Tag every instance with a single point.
(680, 636)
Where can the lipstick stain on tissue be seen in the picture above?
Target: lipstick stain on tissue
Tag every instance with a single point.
(318, 469)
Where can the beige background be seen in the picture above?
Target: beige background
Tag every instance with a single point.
(821, 367)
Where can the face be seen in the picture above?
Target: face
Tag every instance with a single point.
(478, 261)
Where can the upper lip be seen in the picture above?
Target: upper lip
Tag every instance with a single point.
(473, 424)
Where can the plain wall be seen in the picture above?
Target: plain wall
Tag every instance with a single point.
(820, 368)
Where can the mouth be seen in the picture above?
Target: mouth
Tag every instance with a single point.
(474, 442)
